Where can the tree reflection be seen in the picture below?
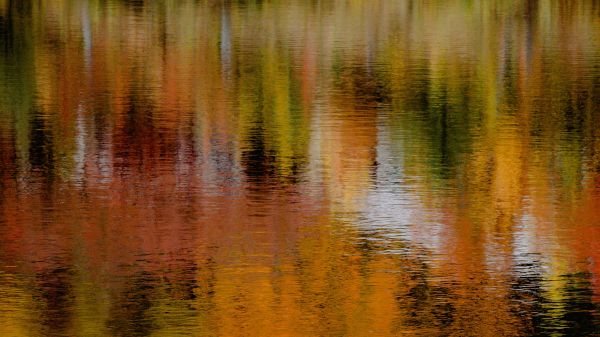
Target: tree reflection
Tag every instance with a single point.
(322, 168)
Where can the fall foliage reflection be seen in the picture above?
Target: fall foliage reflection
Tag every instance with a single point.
(363, 168)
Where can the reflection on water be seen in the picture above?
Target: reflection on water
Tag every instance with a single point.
(364, 168)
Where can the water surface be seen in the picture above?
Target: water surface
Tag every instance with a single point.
(299, 168)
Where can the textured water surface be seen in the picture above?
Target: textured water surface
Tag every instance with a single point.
(299, 168)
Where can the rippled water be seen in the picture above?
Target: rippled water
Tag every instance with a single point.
(299, 168)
